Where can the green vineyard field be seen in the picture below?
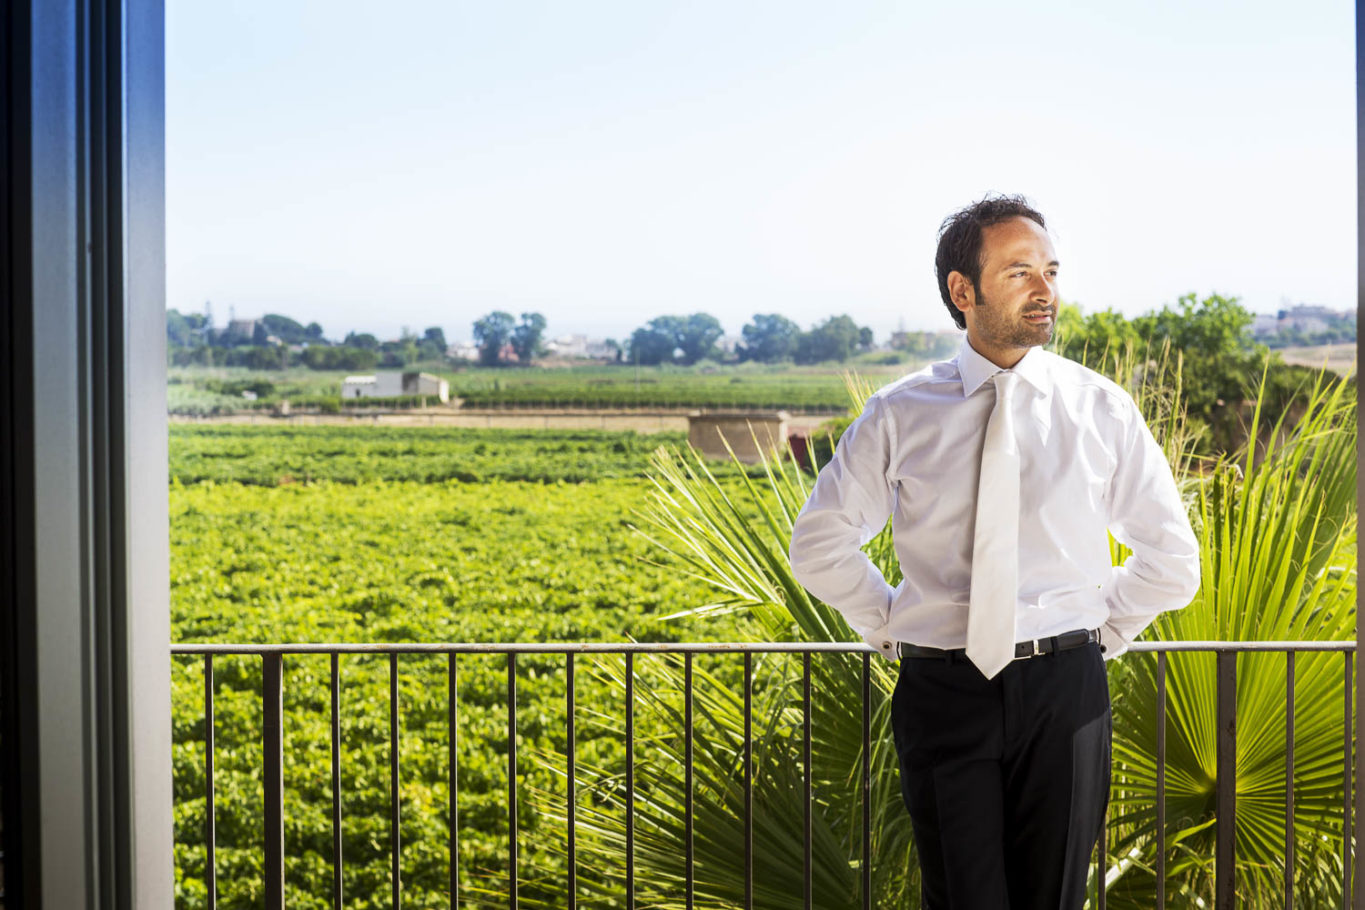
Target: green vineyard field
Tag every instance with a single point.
(353, 535)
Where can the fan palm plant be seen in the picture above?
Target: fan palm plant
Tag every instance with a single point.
(1277, 530)
(1276, 525)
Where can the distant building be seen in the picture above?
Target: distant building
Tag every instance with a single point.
(1307, 319)
(241, 328)
(392, 385)
(728, 343)
(1265, 324)
(568, 346)
(598, 349)
(580, 346)
(463, 350)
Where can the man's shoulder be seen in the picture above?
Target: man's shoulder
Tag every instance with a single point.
(1080, 379)
(931, 378)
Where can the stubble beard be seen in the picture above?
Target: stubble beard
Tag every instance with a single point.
(1000, 330)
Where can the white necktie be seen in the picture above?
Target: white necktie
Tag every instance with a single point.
(995, 547)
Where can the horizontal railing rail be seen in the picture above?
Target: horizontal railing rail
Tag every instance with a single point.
(272, 655)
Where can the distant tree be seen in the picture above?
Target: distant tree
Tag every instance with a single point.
(491, 333)
(400, 353)
(698, 337)
(284, 328)
(437, 336)
(1220, 360)
(199, 355)
(365, 340)
(178, 331)
(665, 338)
(865, 339)
(432, 345)
(769, 338)
(339, 357)
(655, 342)
(259, 336)
(256, 357)
(927, 345)
(526, 336)
(611, 344)
(834, 339)
(1094, 339)
(1220, 364)
(1214, 325)
(313, 333)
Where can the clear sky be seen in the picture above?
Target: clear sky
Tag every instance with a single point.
(374, 166)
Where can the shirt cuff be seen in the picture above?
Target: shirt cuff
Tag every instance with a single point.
(884, 644)
(1112, 642)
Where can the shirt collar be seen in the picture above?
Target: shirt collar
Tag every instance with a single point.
(975, 369)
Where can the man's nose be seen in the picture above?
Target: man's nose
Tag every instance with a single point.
(1044, 290)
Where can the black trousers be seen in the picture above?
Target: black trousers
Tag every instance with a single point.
(1006, 780)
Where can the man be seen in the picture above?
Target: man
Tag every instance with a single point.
(1001, 471)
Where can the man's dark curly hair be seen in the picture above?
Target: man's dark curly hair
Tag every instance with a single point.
(959, 241)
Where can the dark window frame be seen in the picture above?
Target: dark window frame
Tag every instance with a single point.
(85, 778)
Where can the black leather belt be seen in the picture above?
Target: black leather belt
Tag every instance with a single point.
(1073, 639)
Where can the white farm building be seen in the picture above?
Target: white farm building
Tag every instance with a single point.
(392, 385)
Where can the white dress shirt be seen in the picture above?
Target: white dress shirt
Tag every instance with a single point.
(1088, 464)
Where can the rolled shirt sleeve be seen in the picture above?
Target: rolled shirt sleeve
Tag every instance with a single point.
(850, 503)
(1147, 516)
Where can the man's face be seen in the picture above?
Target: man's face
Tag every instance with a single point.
(1014, 305)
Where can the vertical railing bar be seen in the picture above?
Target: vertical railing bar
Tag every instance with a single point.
(453, 760)
(512, 779)
(1224, 867)
(1289, 839)
(1346, 788)
(210, 829)
(630, 781)
(395, 835)
(337, 893)
(1102, 867)
(1161, 780)
(806, 874)
(272, 742)
(748, 781)
(687, 783)
(867, 782)
(571, 770)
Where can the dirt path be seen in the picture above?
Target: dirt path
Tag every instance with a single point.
(675, 421)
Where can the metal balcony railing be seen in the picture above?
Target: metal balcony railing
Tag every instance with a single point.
(273, 746)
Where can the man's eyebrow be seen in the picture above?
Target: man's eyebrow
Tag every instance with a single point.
(1025, 265)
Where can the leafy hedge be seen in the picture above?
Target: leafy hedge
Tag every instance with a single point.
(284, 454)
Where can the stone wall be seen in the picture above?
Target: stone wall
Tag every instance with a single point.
(747, 432)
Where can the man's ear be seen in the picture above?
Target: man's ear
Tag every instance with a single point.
(961, 292)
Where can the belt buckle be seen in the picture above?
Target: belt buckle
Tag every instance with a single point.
(1034, 650)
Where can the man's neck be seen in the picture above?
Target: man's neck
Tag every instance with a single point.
(1003, 356)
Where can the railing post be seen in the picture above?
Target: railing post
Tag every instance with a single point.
(512, 881)
(1161, 780)
(210, 831)
(1224, 866)
(395, 800)
(272, 737)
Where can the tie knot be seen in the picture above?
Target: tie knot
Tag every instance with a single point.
(1005, 381)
